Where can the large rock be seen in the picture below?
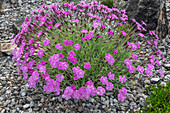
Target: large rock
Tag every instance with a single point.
(152, 12)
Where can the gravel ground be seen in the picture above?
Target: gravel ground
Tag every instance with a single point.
(17, 97)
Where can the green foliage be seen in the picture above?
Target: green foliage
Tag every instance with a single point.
(159, 99)
(75, 1)
(108, 3)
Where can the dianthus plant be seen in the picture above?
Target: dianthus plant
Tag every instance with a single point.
(84, 50)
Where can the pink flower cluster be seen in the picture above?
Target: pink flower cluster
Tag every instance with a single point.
(71, 57)
(55, 64)
(89, 36)
(83, 92)
(78, 73)
(104, 81)
(132, 45)
(122, 94)
(129, 65)
(109, 58)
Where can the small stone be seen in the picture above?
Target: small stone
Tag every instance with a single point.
(103, 106)
(115, 101)
(163, 84)
(103, 99)
(111, 101)
(106, 102)
(3, 91)
(167, 65)
(5, 104)
(154, 80)
(92, 100)
(167, 77)
(3, 111)
(80, 109)
(147, 82)
(130, 97)
(23, 93)
(26, 106)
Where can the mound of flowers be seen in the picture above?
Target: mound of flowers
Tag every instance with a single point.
(83, 50)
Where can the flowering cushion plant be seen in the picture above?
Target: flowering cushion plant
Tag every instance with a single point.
(83, 50)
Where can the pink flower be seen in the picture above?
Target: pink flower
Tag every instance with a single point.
(71, 53)
(140, 34)
(57, 24)
(131, 69)
(109, 86)
(77, 46)
(127, 62)
(124, 34)
(100, 90)
(150, 66)
(75, 77)
(160, 72)
(159, 51)
(59, 78)
(140, 69)
(75, 20)
(31, 82)
(148, 72)
(157, 61)
(75, 69)
(122, 79)
(65, 42)
(95, 25)
(53, 64)
(122, 94)
(149, 42)
(89, 83)
(103, 26)
(108, 57)
(84, 31)
(46, 42)
(42, 69)
(73, 86)
(134, 57)
(31, 41)
(143, 23)
(87, 37)
(73, 60)
(91, 34)
(133, 46)
(49, 27)
(59, 46)
(111, 76)
(110, 32)
(39, 34)
(111, 62)
(40, 53)
(87, 65)
(152, 61)
(70, 42)
(62, 65)
(155, 42)
(103, 80)
(137, 45)
(35, 76)
(80, 73)
(115, 51)
(32, 50)
(152, 57)
(163, 58)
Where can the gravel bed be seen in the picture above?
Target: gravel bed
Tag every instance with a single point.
(17, 97)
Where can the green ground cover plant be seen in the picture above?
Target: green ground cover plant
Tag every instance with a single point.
(159, 100)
